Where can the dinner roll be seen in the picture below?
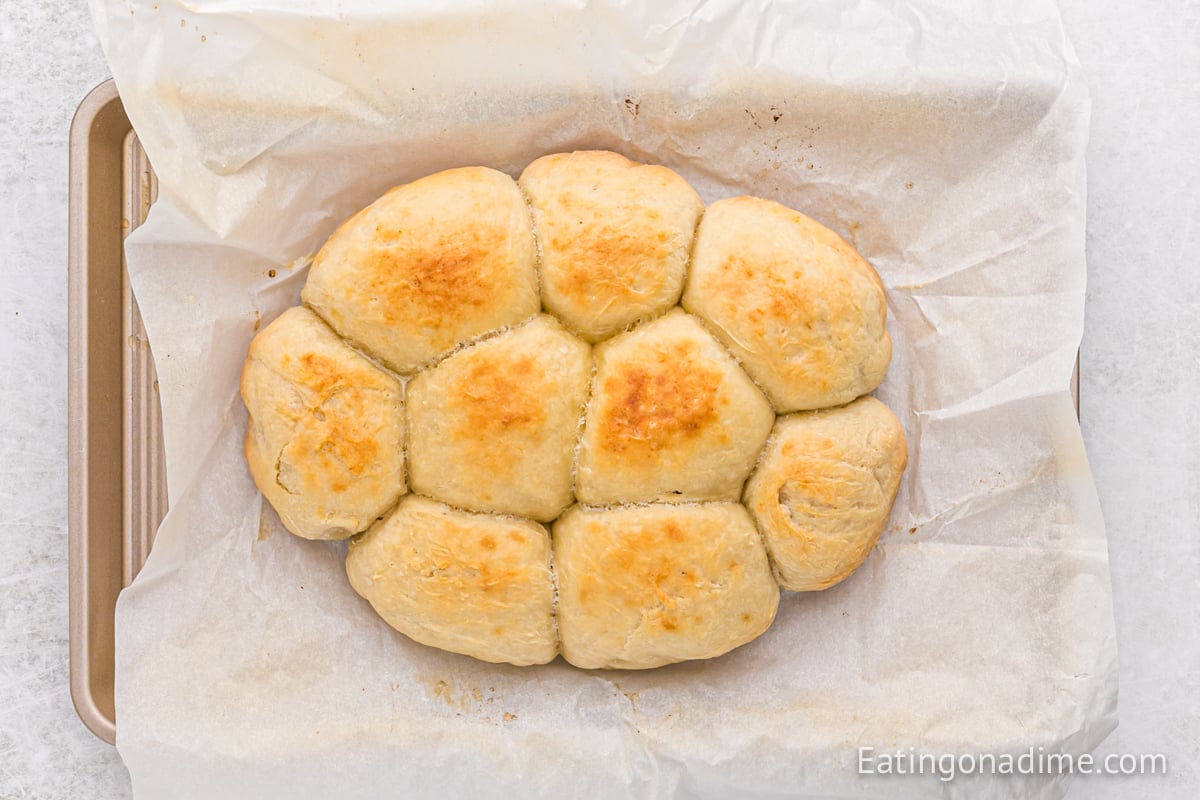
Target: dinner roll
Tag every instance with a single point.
(325, 443)
(614, 236)
(801, 310)
(822, 493)
(427, 266)
(643, 586)
(475, 584)
(672, 417)
(493, 427)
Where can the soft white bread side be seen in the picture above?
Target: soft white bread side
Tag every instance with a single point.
(643, 586)
(803, 312)
(325, 443)
(493, 427)
(822, 493)
(615, 237)
(428, 266)
(672, 417)
(475, 584)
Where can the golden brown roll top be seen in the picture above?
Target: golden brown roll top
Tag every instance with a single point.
(325, 443)
(615, 237)
(644, 586)
(802, 311)
(427, 266)
(493, 427)
(823, 490)
(475, 584)
(672, 417)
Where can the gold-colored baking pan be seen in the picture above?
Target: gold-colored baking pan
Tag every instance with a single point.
(117, 481)
(117, 478)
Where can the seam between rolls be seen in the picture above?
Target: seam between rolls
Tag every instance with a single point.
(538, 252)
(429, 364)
(711, 329)
(554, 589)
(406, 458)
(581, 422)
(691, 257)
(353, 344)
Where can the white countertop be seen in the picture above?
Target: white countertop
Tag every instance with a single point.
(1140, 383)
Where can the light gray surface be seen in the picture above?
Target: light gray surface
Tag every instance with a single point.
(1140, 392)
(1141, 380)
(48, 60)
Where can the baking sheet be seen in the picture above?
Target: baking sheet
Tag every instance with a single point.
(116, 470)
(946, 143)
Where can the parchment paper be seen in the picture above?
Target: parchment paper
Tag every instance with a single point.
(944, 139)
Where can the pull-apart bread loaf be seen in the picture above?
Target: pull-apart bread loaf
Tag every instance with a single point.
(623, 421)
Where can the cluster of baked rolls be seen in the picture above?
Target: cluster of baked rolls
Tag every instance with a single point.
(579, 413)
